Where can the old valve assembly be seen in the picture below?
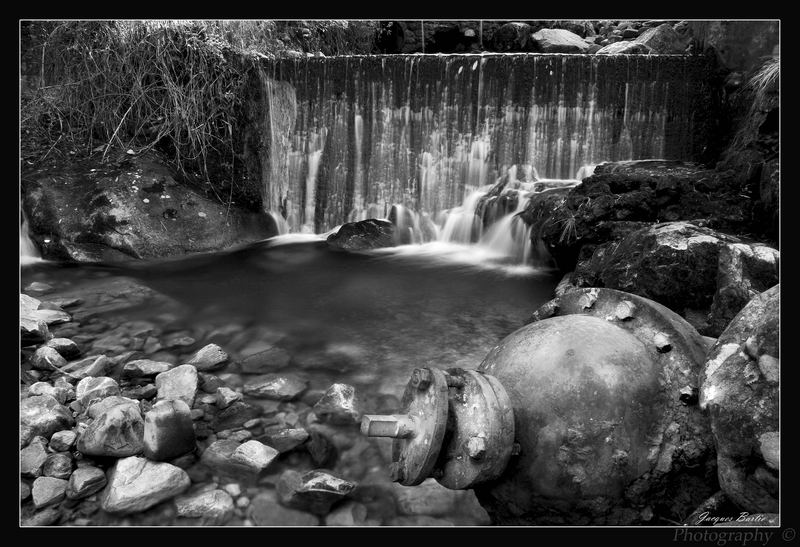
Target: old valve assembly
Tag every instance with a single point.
(582, 411)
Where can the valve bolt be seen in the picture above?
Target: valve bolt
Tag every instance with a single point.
(476, 448)
(421, 378)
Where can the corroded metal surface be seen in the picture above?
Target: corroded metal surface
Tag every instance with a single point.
(480, 431)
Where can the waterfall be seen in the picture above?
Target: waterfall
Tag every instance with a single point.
(28, 253)
(354, 135)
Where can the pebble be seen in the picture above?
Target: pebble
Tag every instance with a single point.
(232, 488)
(58, 465)
(117, 432)
(32, 458)
(315, 491)
(62, 441)
(339, 406)
(284, 440)
(85, 481)
(254, 455)
(210, 357)
(225, 396)
(147, 391)
(93, 388)
(47, 358)
(178, 383)
(94, 365)
(144, 367)
(276, 387)
(42, 415)
(60, 394)
(48, 491)
(235, 415)
(215, 507)
(168, 430)
(136, 484)
(24, 491)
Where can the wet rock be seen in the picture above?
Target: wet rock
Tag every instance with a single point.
(339, 406)
(42, 415)
(673, 263)
(39, 287)
(315, 491)
(31, 312)
(254, 455)
(66, 347)
(147, 391)
(264, 510)
(742, 401)
(48, 491)
(284, 440)
(101, 407)
(168, 430)
(32, 330)
(269, 359)
(210, 383)
(349, 514)
(32, 458)
(58, 465)
(85, 481)
(92, 366)
(178, 383)
(24, 491)
(210, 357)
(623, 48)
(136, 484)
(143, 368)
(558, 41)
(93, 388)
(743, 271)
(321, 447)
(117, 432)
(62, 441)
(60, 394)
(46, 517)
(214, 507)
(363, 235)
(235, 415)
(226, 397)
(275, 386)
(663, 40)
(219, 458)
(47, 358)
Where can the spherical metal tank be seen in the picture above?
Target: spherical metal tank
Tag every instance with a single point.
(582, 390)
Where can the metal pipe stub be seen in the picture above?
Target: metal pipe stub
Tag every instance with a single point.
(457, 426)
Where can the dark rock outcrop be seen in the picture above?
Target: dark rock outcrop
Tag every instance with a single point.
(362, 235)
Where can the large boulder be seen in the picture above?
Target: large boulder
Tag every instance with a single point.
(558, 41)
(663, 39)
(744, 270)
(130, 208)
(740, 390)
(673, 263)
(363, 235)
(136, 484)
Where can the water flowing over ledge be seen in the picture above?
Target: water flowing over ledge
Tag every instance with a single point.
(345, 138)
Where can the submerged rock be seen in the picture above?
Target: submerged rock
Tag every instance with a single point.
(338, 406)
(265, 510)
(269, 359)
(279, 387)
(215, 507)
(363, 235)
(315, 491)
(92, 366)
(740, 389)
(285, 439)
(210, 357)
(136, 484)
(168, 430)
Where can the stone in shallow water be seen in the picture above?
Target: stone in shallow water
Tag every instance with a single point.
(85, 481)
(168, 430)
(94, 365)
(210, 357)
(178, 383)
(226, 396)
(285, 439)
(62, 440)
(235, 415)
(215, 507)
(33, 457)
(315, 491)
(219, 458)
(48, 491)
(58, 465)
(144, 367)
(338, 406)
(349, 514)
(136, 484)
(66, 347)
(265, 510)
(47, 358)
(42, 415)
(269, 359)
(254, 455)
(118, 432)
(275, 386)
(60, 394)
(93, 388)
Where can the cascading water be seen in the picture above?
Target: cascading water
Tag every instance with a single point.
(28, 253)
